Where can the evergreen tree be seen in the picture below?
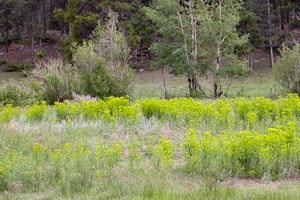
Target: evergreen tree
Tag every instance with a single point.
(268, 25)
(9, 16)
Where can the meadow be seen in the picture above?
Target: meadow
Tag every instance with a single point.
(241, 148)
(150, 85)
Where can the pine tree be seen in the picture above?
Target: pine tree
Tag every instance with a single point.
(268, 26)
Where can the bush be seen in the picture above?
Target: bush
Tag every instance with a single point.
(36, 111)
(40, 54)
(103, 62)
(100, 83)
(3, 62)
(287, 69)
(244, 154)
(58, 80)
(100, 68)
(17, 95)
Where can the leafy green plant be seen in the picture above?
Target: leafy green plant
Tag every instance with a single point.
(109, 156)
(66, 110)
(135, 154)
(245, 153)
(103, 61)
(287, 69)
(16, 94)
(162, 154)
(40, 54)
(3, 62)
(36, 111)
(58, 80)
(248, 138)
(191, 149)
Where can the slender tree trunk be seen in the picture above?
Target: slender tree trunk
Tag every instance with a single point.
(215, 87)
(190, 78)
(217, 67)
(282, 15)
(51, 9)
(6, 34)
(217, 84)
(32, 35)
(288, 21)
(271, 54)
(44, 13)
(164, 82)
(270, 35)
(193, 83)
(194, 52)
(250, 62)
(32, 40)
(40, 32)
(18, 31)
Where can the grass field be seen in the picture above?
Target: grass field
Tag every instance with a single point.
(150, 84)
(259, 83)
(152, 149)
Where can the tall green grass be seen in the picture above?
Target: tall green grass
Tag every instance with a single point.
(151, 149)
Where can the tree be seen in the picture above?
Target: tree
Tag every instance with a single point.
(131, 17)
(287, 69)
(248, 23)
(178, 42)
(57, 80)
(81, 18)
(34, 20)
(197, 37)
(79, 15)
(222, 38)
(8, 15)
(268, 26)
(104, 61)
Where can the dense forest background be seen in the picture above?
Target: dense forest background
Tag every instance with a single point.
(213, 38)
(268, 22)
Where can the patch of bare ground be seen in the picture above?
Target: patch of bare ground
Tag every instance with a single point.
(261, 59)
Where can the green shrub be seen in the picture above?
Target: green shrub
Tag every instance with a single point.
(109, 156)
(40, 54)
(287, 69)
(99, 83)
(103, 62)
(58, 80)
(66, 110)
(16, 95)
(3, 62)
(245, 153)
(36, 111)
(6, 174)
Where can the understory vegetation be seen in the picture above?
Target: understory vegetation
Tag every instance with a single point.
(150, 99)
(115, 148)
(99, 68)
